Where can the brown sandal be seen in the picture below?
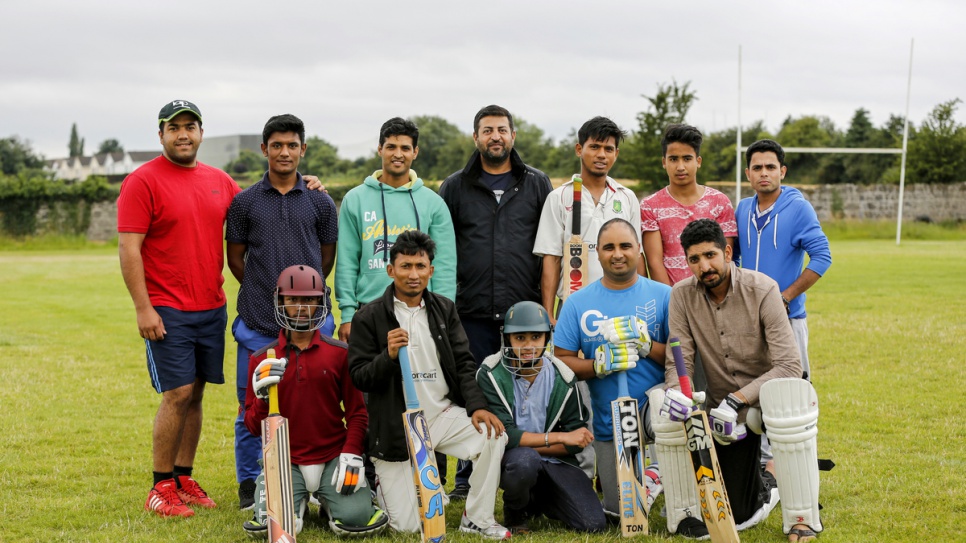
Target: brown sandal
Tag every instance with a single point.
(802, 535)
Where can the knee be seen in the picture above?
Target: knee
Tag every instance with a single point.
(521, 465)
(178, 398)
(593, 521)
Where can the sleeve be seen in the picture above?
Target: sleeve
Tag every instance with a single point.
(648, 218)
(356, 416)
(496, 406)
(465, 363)
(679, 327)
(782, 348)
(255, 409)
(635, 219)
(566, 334)
(370, 367)
(347, 259)
(444, 274)
(134, 205)
(328, 223)
(726, 216)
(741, 224)
(812, 238)
(574, 416)
(237, 223)
(552, 224)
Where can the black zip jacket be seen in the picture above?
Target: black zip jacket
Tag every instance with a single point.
(495, 264)
(374, 372)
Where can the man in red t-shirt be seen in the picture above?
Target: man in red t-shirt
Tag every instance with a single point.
(170, 217)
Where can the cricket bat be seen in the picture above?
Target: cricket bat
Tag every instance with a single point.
(629, 448)
(575, 268)
(277, 462)
(715, 507)
(422, 458)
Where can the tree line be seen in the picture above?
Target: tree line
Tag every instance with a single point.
(937, 148)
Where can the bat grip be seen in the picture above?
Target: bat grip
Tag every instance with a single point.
(679, 366)
(622, 391)
(409, 388)
(272, 390)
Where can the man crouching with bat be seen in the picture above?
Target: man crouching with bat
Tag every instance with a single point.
(734, 319)
(315, 393)
(449, 412)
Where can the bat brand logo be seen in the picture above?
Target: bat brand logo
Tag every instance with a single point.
(698, 439)
(630, 435)
(576, 261)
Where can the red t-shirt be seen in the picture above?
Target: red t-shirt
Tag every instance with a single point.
(182, 212)
(326, 412)
(661, 212)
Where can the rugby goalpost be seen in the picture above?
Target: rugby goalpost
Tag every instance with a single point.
(739, 149)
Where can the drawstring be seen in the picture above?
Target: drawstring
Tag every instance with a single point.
(385, 221)
(415, 211)
(774, 239)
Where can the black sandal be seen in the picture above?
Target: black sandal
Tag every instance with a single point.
(802, 533)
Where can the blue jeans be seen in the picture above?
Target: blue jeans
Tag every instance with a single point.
(558, 490)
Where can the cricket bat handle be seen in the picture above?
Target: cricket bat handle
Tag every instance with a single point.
(409, 388)
(682, 371)
(272, 391)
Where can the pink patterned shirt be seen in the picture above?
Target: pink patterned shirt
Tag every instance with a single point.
(661, 212)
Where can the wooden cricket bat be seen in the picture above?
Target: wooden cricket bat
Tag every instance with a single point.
(629, 448)
(277, 462)
(422, 458)
(715, 507)
(576, 275)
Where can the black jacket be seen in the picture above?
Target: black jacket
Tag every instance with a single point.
(374, 372)
(495, 264)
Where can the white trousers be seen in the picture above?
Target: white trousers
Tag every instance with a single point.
(453, 434)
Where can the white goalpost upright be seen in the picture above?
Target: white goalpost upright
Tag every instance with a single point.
(739, 149)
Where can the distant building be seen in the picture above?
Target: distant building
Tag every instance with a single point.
(216, 151)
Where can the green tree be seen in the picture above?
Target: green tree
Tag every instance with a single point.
(16, 156)
(534, 146)
(248, 161)
(670, 104)
(322, 159)
(718, 151)
(806, 131)
(76, 145)
(110, 146)
(938, 152)
(443, 148)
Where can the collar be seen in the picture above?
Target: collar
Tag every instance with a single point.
(412, 178)
(284, 345)
(397, 302)
(266, 185)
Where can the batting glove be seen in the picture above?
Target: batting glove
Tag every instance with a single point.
(724, 421)
(350, 475)
(628, 329)
(268, 372)
(679, 407)
(609, 358)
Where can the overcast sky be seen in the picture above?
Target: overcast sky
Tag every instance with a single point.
(344, 67)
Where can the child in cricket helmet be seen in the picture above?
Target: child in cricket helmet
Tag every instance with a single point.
(299, 296)
(526, 338)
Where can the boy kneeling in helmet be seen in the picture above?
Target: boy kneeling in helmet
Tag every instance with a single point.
(534, 395)
(315, 393)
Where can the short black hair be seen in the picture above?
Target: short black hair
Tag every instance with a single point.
(491, 111)
(681, 133)
(701, 231)
(411, 243)
(617, 221)
(283, 123)
(765, 146)
(397, 126)
(600, 128)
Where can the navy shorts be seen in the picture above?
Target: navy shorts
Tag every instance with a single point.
(193, 348)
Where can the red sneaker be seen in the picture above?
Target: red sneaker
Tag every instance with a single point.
(163, 500)
(192, 493)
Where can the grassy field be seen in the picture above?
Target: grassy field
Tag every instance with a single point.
(887, 340)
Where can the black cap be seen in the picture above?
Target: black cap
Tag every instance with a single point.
(172, 109)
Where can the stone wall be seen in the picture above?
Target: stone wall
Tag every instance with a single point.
(920, 202)
(932, 203)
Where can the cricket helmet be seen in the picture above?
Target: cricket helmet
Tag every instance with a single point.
(300, 281)
(525, 317)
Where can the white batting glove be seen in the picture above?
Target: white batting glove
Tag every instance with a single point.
(609, 358)
(268, 372)
(679, 407)
(724, 422)
(350, 476)
(628, 329)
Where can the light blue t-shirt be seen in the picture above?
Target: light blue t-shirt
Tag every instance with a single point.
(530, 400)
(578, 329)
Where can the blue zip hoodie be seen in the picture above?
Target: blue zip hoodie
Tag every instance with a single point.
(778, 251)
(371, 216)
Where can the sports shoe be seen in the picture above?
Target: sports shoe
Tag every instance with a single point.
(516, 521)
(163, 500)
(246, 494)
(693, 528)
(494, 531)
(255, 529)
(459, 492)
(652, 482)
(191, 492)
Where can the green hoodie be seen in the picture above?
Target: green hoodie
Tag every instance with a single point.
(565, 412)
(364, 242)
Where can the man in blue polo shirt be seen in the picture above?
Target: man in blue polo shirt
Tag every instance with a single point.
(276, 223)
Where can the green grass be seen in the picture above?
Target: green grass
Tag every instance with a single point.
(887, 327)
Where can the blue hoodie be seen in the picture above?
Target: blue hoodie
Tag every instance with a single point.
(779, 249)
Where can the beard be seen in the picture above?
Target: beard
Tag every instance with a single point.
(495, 158)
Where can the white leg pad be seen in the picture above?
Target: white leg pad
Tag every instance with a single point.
(677, 473)
(789, 409)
